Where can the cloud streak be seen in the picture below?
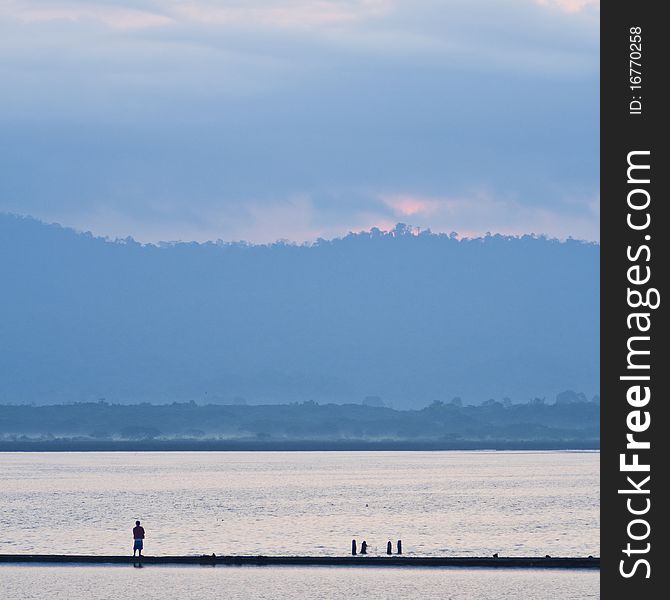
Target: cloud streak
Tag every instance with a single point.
(286, 14)
(572, 6)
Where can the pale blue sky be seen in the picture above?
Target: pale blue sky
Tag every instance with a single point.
(262, 119)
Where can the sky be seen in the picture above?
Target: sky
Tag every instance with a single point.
(261, 120)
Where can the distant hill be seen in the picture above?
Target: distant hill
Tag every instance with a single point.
(401, 317)
(573, 425)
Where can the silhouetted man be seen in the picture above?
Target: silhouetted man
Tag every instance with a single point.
(138, 536)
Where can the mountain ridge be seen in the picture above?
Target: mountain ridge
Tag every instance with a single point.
(408, 316)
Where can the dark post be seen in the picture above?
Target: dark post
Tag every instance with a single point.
(364, 547)
(353, 547)
(399, 546)
(389, 547)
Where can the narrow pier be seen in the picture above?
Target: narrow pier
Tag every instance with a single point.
(358, 561)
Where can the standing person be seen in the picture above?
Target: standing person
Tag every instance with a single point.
(138, 537)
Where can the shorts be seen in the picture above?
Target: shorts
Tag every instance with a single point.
(138, 545)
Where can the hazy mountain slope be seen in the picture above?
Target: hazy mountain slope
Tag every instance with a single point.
(405, 317)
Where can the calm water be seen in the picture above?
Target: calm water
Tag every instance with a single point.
(288, 583)
(438, 503)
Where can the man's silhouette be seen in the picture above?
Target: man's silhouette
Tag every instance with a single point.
(138, 536)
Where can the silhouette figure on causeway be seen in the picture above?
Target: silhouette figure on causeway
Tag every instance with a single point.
(138, 537)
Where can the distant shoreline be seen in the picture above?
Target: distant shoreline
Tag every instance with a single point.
(286, 446)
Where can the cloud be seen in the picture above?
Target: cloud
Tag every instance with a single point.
(116, 17)
(482, 212)
(303, 216)
(282, 14)
(298, 119)
(571, 6)
(139, 15)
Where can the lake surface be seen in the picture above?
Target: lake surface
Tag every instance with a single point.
(438, 503)
(288, 583)
(274, 503)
